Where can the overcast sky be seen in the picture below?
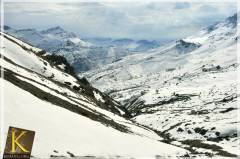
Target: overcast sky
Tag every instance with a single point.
(120, 19)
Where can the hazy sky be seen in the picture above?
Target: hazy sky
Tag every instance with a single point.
(120, 19)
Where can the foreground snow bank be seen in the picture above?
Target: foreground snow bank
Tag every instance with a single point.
(59, 131)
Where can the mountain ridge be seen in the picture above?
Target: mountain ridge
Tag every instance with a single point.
(83, 53)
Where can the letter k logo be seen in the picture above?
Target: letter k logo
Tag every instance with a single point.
(15, 141)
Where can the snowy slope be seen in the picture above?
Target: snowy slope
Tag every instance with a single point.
(68, 115)
(187, 90)
(64, 131)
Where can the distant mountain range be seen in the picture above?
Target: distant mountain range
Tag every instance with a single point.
(84, 54)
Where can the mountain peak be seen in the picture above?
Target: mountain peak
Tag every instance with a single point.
(5, 27)
(229, 22)
(232, 20)
(27, 30)
(123, 40)
(54, 30)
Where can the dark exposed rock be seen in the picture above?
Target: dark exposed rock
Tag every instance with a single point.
(201, 131)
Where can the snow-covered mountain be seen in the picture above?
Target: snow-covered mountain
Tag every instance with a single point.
(82, 54)
(70, 117)
(186, 90)
(49, 39)
(129, 45)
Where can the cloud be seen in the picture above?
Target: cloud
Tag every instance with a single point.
(182, 5)
(116, 19)
(208, 8)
